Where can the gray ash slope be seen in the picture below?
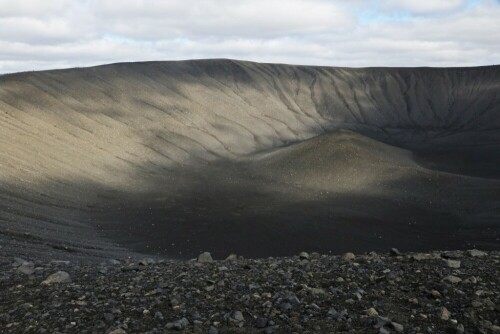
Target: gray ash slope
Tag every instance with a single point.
(176, 158)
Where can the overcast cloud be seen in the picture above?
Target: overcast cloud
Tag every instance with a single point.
(37, 35)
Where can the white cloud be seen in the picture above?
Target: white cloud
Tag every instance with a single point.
(18, 8)
(421, 6)
(151, 20)
(64, 33)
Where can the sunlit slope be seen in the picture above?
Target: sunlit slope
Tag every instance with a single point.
(104, 122)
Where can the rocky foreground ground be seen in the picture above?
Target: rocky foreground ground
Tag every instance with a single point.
(439, 292)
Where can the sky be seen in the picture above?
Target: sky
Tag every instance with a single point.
(48, 34)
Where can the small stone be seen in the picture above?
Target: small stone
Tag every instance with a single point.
(158, 315)
(58, 277)
(476, 253)
(118, 331)
(286, 307)
(444, 314)
(334, 314)
(27, 268)
(452, 263)
(382, 330)
(213, 330)
(238, 316)
(317, 291)
(146, 262)
(414, 300)
(495, 328)
(349, 256)
(304, 255)
(294, 299)
(420, 256)
(435, 294)
(452, 279)
(395, 252)
(460, 329)
(314, 307)
(205, 257)
(371, 312)
(476, 303)
(397, 327)
(261, 322)
(178, 324)
(232, 257)
(471, 280)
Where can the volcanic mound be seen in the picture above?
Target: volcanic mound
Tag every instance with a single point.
(176, 158)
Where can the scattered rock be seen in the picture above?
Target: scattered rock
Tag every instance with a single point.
(317, 291)
(452, 263)
(58, 277)
(444, 314)
(452, 279)
(147, 262)
(261, 322)
(118, 331)
(205, 257)
(371, 312)
(395, 252)
(304, 256)
(158, 315)
(349, 256)
(27, 268)
(476, 253)
(383, 330)
(232, 257)
(435, 294)
(397, 327)
(421, 257)
(237, 318)
(280, 295)
(178, 324)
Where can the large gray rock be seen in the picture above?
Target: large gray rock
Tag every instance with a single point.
(58, 277)
(349, 256)
(477, 253)
(205, 257)
(455, 264)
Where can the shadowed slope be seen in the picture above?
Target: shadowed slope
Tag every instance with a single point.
(79, 144)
